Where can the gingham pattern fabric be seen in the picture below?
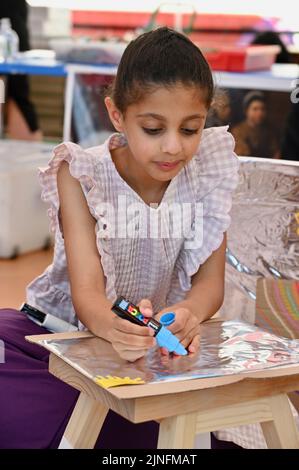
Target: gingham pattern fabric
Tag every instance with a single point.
(138, 267)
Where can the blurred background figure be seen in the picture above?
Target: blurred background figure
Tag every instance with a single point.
(290, 138)
(21, 118)
(270, 38)
(254, 136)
(220, 112)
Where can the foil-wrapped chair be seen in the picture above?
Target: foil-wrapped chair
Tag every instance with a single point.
(262, 271)
(263, 246)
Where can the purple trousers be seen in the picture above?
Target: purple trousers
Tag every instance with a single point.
(35, 406)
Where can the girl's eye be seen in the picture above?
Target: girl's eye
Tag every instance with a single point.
(157, 131)
(190, 131)
(151, 131)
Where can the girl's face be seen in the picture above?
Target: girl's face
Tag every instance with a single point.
(163, 130)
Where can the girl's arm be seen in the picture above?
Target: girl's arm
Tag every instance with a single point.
(202, 301)
(207, 292)
(85, 271)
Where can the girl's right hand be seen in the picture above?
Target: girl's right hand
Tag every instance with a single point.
(129, 340)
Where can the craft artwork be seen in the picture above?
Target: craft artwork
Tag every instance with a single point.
(109, 381)
(277, 306)
(227, 348)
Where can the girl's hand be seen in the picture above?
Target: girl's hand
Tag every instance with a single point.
(129, 340)
(186, 326)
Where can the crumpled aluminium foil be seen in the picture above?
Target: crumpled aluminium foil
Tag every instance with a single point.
(227, 348)
(263, 238)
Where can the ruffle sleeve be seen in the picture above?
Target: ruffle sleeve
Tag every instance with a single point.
(81, 167)
(84, 166)
(215, 170)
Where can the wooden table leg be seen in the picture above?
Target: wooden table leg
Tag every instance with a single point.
(203, 441)
(85, 424)
(281, 432)
(177, 432)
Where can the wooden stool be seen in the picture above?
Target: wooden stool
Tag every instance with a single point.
(183, 408)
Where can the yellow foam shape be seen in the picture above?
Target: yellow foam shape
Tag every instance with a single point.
(109, 381)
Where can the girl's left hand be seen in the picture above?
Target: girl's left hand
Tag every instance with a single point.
(186, 326)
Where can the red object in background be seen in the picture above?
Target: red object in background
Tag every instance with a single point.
(109, 24)
(127, 20)
(241, 59)
(211, 32)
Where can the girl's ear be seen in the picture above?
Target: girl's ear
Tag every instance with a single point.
(115, 115)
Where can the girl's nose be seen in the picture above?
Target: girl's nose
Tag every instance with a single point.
(171, 144)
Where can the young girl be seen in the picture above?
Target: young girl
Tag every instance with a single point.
(162, 165)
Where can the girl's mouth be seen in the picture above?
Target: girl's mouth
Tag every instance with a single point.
(167, 166)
